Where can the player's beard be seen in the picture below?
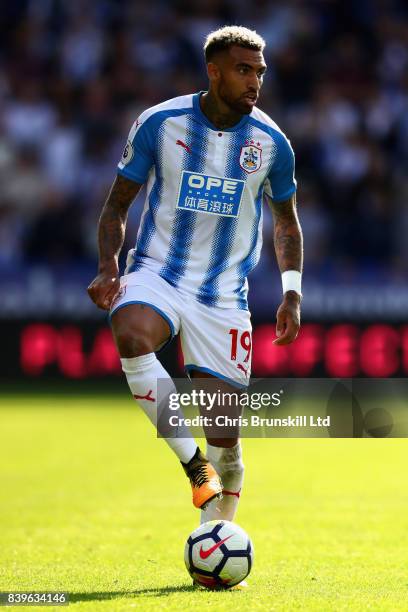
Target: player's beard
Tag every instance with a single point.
(237, 105)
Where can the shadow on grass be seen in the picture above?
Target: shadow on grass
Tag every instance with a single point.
(157, 592)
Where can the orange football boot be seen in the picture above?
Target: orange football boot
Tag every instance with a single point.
(205, 483)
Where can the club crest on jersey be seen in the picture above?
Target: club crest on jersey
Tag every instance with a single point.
(250, 158)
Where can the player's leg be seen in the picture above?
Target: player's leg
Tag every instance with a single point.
(142, 322)
(217, 345)
(139, 331)
(223, 450)
(229, 465)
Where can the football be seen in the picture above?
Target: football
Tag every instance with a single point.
(218, 555)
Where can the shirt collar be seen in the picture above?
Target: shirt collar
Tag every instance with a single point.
(204, 119)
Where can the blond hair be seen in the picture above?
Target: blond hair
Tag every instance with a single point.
(225, 37)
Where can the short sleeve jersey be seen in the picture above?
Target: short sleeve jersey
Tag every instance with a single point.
(201, 226)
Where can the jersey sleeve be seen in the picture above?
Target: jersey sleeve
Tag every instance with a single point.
(280, 183)
(138, 154)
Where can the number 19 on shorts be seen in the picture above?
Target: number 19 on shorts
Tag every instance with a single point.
(240, 340)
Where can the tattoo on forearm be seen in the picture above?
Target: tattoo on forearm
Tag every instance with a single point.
(287, 236)
(112, 222)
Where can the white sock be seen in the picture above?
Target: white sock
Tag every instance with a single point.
(142, 374)
(228, 463)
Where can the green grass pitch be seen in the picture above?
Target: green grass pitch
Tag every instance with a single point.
(93, 504)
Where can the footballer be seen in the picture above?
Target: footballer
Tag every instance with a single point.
(208, 160)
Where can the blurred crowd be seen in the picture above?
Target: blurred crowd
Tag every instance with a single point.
(75, 74)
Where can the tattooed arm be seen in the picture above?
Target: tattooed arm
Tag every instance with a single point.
(289, 253)
(111, 234)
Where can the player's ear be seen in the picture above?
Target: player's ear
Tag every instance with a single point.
(213, 71)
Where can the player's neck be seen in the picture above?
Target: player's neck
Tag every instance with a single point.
(217, 112)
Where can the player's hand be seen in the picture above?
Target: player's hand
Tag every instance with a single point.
(288, 319)
(104, 288)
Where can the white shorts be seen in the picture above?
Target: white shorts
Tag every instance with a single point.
(213, 340)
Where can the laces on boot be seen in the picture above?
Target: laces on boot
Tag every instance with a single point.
(199, 475)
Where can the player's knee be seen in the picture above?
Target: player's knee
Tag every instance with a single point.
(133, 342)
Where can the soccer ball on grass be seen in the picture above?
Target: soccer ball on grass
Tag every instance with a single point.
(218, 554)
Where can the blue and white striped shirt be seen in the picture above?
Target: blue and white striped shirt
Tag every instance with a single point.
(201, 227)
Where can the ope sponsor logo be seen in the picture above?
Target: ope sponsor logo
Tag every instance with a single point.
(210, 194)
(198, 181)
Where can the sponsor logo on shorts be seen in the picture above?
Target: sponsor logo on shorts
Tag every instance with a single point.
(210, 194)
(243, 369)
